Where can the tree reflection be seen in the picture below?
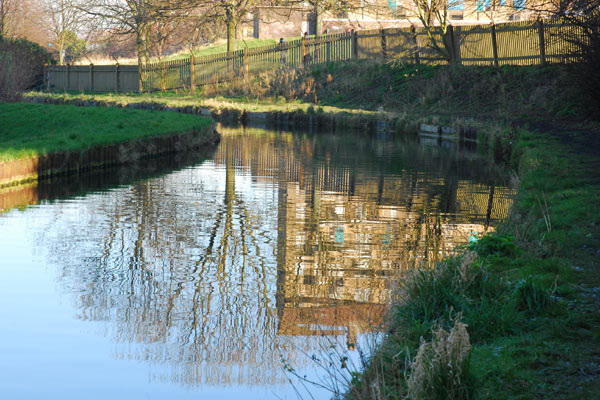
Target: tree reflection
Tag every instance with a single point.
(214, 268)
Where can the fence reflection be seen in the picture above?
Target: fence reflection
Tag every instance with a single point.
(215, 268)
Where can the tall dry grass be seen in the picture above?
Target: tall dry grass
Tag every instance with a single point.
(286, 83)
(440, 370)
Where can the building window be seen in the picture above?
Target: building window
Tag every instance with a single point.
(519, 4)
(339, 235)
(456, 5)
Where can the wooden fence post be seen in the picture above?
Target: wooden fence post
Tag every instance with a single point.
(91, 77)
(494, 44)
(416, 43)
(354, 44)
(540, 27)
(328, 49)
(192, 73)
(454, 46)
(383, 44)
(67, 77)
(117, 78)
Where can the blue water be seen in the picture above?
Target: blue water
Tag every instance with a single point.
(213, 276)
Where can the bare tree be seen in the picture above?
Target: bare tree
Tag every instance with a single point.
(8, 9)
(65, 21)
(134, 17)
(320, 8)
(23, 19)
(231, 12)
(197, 30)
(433, 15)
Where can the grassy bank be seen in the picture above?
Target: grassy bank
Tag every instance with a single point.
(37, 129)
(515, 315)
(528, 295)
(218, 47)
(365, 86)
(508, 92)
(405, 95)
(188, 99)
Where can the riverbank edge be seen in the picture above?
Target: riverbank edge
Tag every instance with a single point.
(25, 170)
(282, 117)
(502, 152)
(543, 297)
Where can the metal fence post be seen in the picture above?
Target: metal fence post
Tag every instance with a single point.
(354, 44)
(304, 58)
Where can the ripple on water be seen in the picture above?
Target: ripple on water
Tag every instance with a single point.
(277, 247)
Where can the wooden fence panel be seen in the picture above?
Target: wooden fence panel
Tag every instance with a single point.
(427, 53)
(129, 78)
(105, 78)
(101, 78)
(369, 44)
(400, 45)
(559, 41)
(475, 45)
(77, 80)
(517, 43)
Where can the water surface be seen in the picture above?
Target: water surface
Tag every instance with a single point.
(203, 276)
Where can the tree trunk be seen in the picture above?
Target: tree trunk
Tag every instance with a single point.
(2, 23)
(3, 19)
(61, 52)
(142, 55)
(318, 19)
(231, 25)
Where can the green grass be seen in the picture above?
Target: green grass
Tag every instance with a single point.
(529, 296)
(184, 99)
(36, 129)
(221, 48)
(441, 93)
(509, 92)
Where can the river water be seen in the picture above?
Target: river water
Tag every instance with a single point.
(226, 274)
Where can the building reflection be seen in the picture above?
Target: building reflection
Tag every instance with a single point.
(345, 235)
(279, 237)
